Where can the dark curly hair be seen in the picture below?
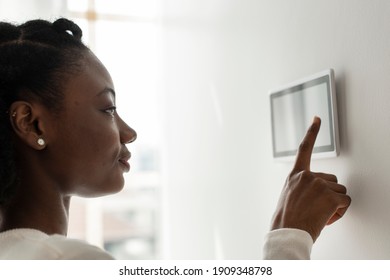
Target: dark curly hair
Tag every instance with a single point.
(36, 59)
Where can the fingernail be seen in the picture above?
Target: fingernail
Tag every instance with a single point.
(316, 119)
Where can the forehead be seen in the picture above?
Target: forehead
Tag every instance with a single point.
(92, 79)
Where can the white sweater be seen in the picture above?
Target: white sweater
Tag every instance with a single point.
(287, 244)
(31, 244)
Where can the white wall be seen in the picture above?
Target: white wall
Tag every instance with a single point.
(221, 58)
(19, 11)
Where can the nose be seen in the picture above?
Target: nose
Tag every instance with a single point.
(127, 134)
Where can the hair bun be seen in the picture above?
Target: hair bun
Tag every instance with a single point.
(65, 25)
(8, 32)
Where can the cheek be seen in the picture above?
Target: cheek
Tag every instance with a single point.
(87, 155)
(96, 143)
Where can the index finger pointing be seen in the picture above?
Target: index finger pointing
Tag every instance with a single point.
(302, 160)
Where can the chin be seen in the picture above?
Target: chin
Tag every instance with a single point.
(107, 188)
(112, 189)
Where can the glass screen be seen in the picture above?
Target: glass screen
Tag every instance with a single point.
(293, 110)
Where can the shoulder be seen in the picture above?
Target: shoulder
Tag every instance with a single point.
(34, 244)
(76, 249)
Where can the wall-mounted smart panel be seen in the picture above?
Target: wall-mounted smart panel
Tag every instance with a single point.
(293, 107)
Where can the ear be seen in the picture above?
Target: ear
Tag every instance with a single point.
(27, 123)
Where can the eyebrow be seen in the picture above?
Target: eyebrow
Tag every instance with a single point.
(107, 90)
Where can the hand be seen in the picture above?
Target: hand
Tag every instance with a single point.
(309, 201)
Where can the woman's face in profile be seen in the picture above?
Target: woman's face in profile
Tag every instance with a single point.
(87, 144)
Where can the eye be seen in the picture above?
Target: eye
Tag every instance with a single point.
(111, 110)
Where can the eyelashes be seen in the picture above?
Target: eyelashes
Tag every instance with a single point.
(110, 111)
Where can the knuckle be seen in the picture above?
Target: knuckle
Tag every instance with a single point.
(333, 201)
(306, 175)
(334, 178)
(302, 177)
(318, 181)
(343, 189)
(349, 201)
(320, 186)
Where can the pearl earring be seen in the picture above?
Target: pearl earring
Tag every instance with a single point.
(41, 142)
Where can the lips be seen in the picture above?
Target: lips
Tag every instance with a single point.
(124, 161)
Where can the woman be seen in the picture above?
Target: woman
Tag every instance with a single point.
(61, 136)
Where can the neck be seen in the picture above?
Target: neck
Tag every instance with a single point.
(38, 203)
(49, 215)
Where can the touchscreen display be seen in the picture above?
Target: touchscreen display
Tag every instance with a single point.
(293, 110)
